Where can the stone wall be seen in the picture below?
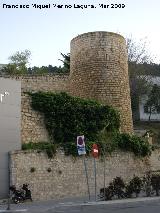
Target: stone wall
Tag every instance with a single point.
(32, 122)
(67, 178)
(99, 70)
(54, 83)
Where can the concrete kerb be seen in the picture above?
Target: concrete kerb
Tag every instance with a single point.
(111, 203)
(3, 202)
(130, 200)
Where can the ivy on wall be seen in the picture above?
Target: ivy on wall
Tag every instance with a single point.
(49, 148)
(66, 117)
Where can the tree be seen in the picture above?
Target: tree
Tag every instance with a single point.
(45, 70)
(66, 62)
(137, 51)
(138, 58)
(153, 102)
(20, 58)
(18, 63)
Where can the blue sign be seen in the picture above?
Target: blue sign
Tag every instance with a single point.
(81, 145)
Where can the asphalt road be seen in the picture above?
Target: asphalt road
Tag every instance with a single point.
(140, 205)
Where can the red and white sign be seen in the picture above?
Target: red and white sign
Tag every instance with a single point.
(95, 151)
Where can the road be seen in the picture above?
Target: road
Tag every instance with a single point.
(140, 205)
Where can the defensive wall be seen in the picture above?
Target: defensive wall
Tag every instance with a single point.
(32, 125)
(98, 70)
(64, 176)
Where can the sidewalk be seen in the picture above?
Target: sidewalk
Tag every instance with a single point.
(44, 206)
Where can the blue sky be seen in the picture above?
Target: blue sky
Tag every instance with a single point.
(47, 32)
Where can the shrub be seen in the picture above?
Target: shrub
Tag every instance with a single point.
(132, 143)
(115, 188)
(147, 184)
(134, 186)
(155, 182)
(66, 117)
(108, 192)
(48, 147)
(118, 186)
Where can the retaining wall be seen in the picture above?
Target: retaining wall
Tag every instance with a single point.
(67, 177)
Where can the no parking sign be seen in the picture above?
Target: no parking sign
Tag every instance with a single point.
(81, 145)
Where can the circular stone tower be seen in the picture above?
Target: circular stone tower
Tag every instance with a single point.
(99, 70)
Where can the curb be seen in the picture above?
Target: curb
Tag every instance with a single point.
(94, 203)
(43, 206)
(3, 201)
(111, 202)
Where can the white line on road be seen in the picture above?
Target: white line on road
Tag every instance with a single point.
(14, 210)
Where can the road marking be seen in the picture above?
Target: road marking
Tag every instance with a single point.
(14, 210)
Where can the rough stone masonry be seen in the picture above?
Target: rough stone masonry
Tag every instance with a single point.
(98, 70)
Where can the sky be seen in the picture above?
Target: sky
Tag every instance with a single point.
(47, 32)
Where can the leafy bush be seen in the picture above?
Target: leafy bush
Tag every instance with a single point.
(149, 184)
(132, 143)
(119, 189)
(118, 186)
(67, 116)
(49, 148)
(134, 186)
(70, 148)
(108, 192)
(155, 182)
(129, 191)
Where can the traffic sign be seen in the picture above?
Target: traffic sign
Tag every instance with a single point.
(95, 151)
(81, 145)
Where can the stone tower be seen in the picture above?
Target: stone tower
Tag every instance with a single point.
(99, 70)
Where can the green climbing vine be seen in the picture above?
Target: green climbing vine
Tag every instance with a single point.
(66, 117)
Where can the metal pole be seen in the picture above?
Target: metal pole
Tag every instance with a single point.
(95, 174)
(85, 167)
(104, 174)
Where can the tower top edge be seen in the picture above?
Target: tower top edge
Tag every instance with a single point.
(97, 33)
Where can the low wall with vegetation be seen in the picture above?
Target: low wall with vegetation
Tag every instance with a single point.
(63, 176)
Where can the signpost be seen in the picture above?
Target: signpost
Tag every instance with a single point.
(82, 151)
(81, 145)
(95, 154)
